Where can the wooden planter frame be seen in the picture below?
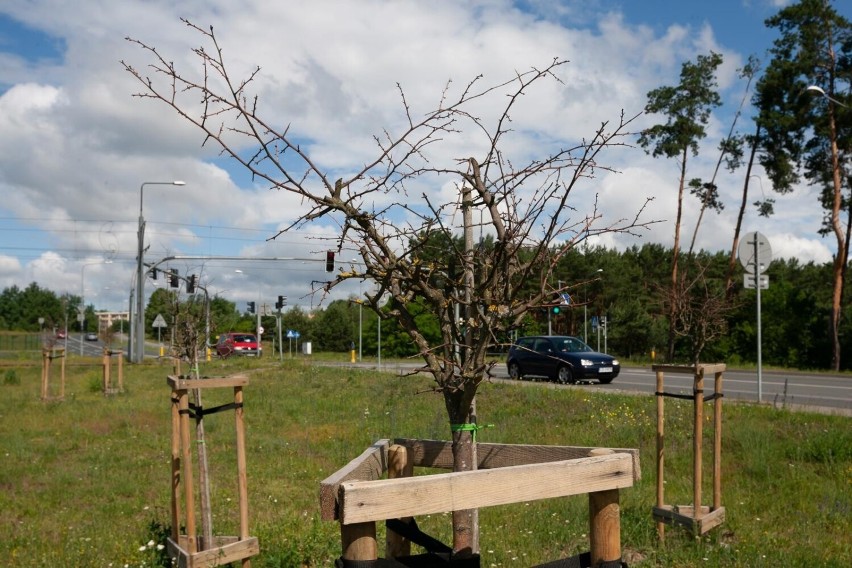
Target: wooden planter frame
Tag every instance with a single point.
(357, 497)
(696, 518)
(47, 357)
(107, 364)
(189, 549)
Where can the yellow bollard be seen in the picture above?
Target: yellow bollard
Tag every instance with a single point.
(352, 356)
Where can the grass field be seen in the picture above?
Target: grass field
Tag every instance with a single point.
(85, 481)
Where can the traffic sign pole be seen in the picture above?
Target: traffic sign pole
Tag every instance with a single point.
(754, 252)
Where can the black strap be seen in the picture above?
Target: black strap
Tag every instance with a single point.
(413, 533)
(427, 560)
(707, 398)
(197, 412)
(583, 560)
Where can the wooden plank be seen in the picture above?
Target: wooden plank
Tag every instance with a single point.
(229, 549)
(685, 516)
(370, 465)
(439, 454)
(708, 368)
(363, 501)
(181, 383)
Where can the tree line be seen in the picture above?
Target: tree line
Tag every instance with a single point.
(627, 288)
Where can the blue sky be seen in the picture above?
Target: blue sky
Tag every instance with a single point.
(77, 147)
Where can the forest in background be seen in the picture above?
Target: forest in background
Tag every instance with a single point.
(629, 288)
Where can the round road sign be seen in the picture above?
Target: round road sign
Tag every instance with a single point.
(749, 254)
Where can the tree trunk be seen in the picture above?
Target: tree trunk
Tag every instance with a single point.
(840, 259)
(676, 257)
(464, 521)
(732, 261)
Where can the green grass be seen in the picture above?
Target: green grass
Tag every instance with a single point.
(85, 481)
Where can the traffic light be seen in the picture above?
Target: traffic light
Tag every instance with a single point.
(174, 280)
(329, 261)
(555, 310)
(251, 307)
(191, 284)
(282, 301)
(154, 272)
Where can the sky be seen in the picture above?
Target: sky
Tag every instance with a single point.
(78, 151)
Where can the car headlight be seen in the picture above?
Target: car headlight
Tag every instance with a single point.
(615, 361)
(586, 363)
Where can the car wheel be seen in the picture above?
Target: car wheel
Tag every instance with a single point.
(515, 372)
(564, 376)
(606, 381)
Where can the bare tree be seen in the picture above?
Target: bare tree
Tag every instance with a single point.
(701, 309)
(477, 295)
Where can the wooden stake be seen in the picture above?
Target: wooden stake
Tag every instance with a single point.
(661, 459)
(242, 483)
(604, 521)
(175, 466)
(359, 541)
(399, 465)
(717, 442)
(697, 442)
(186, 457)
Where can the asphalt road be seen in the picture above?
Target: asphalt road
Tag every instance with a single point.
(788, 389)
(832, 393)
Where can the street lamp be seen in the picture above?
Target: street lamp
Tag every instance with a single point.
(819, 90)
(139, 352)
(82, 316)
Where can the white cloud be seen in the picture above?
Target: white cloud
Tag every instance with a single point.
(77, 145)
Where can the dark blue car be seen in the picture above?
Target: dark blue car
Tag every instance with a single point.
(560, 358)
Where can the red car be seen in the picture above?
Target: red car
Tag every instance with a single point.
(238, 343)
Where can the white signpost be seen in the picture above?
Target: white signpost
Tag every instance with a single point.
(159, 323)
(755, 254)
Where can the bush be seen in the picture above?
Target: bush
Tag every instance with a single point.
(11, 378)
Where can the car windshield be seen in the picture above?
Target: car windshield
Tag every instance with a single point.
(244, 339)
(571, 345)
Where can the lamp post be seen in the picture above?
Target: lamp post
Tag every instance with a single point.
(821, 92)
(83, 299)
(139, 351)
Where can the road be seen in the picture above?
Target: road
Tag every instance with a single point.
(780, 388)
(790, 389)
(89, 348)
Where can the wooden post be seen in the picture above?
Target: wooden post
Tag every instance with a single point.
(604, 522)
(120, 370)
(717, 442)
(359, 541)
(62, 380)
(242, 483)
(399, 465)
(106, 362)
(661, 459)
(697, 442)
(186, 458)
(175, 466)
(45, 372)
